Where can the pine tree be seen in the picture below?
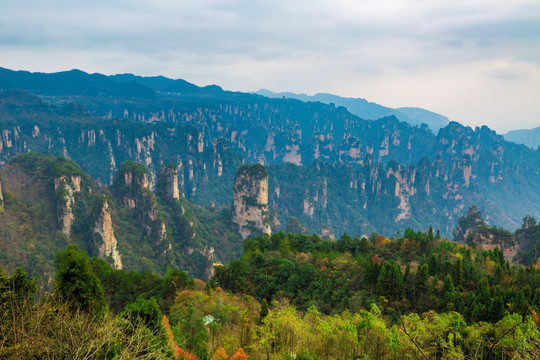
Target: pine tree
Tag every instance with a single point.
(496, 310)
(449, 294)
(458, 274)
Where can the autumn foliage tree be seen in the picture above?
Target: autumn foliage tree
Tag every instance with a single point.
(239, 355)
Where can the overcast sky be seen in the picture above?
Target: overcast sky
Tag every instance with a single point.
(475, 61)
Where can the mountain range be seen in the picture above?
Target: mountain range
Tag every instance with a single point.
(329, 170)
(529, 137)
(369, 110)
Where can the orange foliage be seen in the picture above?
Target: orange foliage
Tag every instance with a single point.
(376, 259)
(220, 354)
(490, 265)
(239, 355)
(535, 317)
(537, 265)
(168, 331)
(184, 355)
(380, 239)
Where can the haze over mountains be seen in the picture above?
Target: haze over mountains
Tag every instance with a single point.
(529, 137)
(369, 110)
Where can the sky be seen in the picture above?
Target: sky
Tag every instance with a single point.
(475, 61)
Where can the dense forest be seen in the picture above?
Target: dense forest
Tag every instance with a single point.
(290, 296)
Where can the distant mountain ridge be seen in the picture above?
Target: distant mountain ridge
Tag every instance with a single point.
(529, 137)
(369, 110)
(73, 82)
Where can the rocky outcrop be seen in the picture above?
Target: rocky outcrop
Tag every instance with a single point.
(473, 229)
(168, 183)
(250, 207)
(132, 187)
(104, 239)
(468, 224)
(327, 233)
(65, 188)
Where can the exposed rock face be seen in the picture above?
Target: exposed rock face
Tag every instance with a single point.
(104, 238)
(1, 196)
(66, 188)
(250, 209)
(404, 189)
(490, 241)
(473, 229)
(168, 180)
(131, 185)
(327, 233)
(469, 223)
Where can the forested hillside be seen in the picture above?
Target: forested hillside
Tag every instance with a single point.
(290, 296)
(49, 202)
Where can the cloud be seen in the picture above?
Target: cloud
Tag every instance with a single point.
(363, 49)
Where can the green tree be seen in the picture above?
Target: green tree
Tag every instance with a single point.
(264, 310)
(76, 283)
(458, 274)
(449, 294)
(144, 311)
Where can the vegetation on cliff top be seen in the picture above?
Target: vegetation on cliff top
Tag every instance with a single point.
(255, 171)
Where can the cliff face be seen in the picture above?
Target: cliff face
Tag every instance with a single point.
(208, 135)
(250, 207)
(46, 198)
(1, 198)
(132, 187)
(104, 239)
(167, 184)
(66, 188)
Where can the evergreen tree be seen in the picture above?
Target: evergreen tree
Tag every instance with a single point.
(449, 294)
(536, 299)
(496, 310)
(144, 311)
(76, 283)
(458, 274)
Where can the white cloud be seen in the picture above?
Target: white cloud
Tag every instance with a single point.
(474, 61)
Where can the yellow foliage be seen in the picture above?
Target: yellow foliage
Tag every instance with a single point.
(220, 354)
(199, 285)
